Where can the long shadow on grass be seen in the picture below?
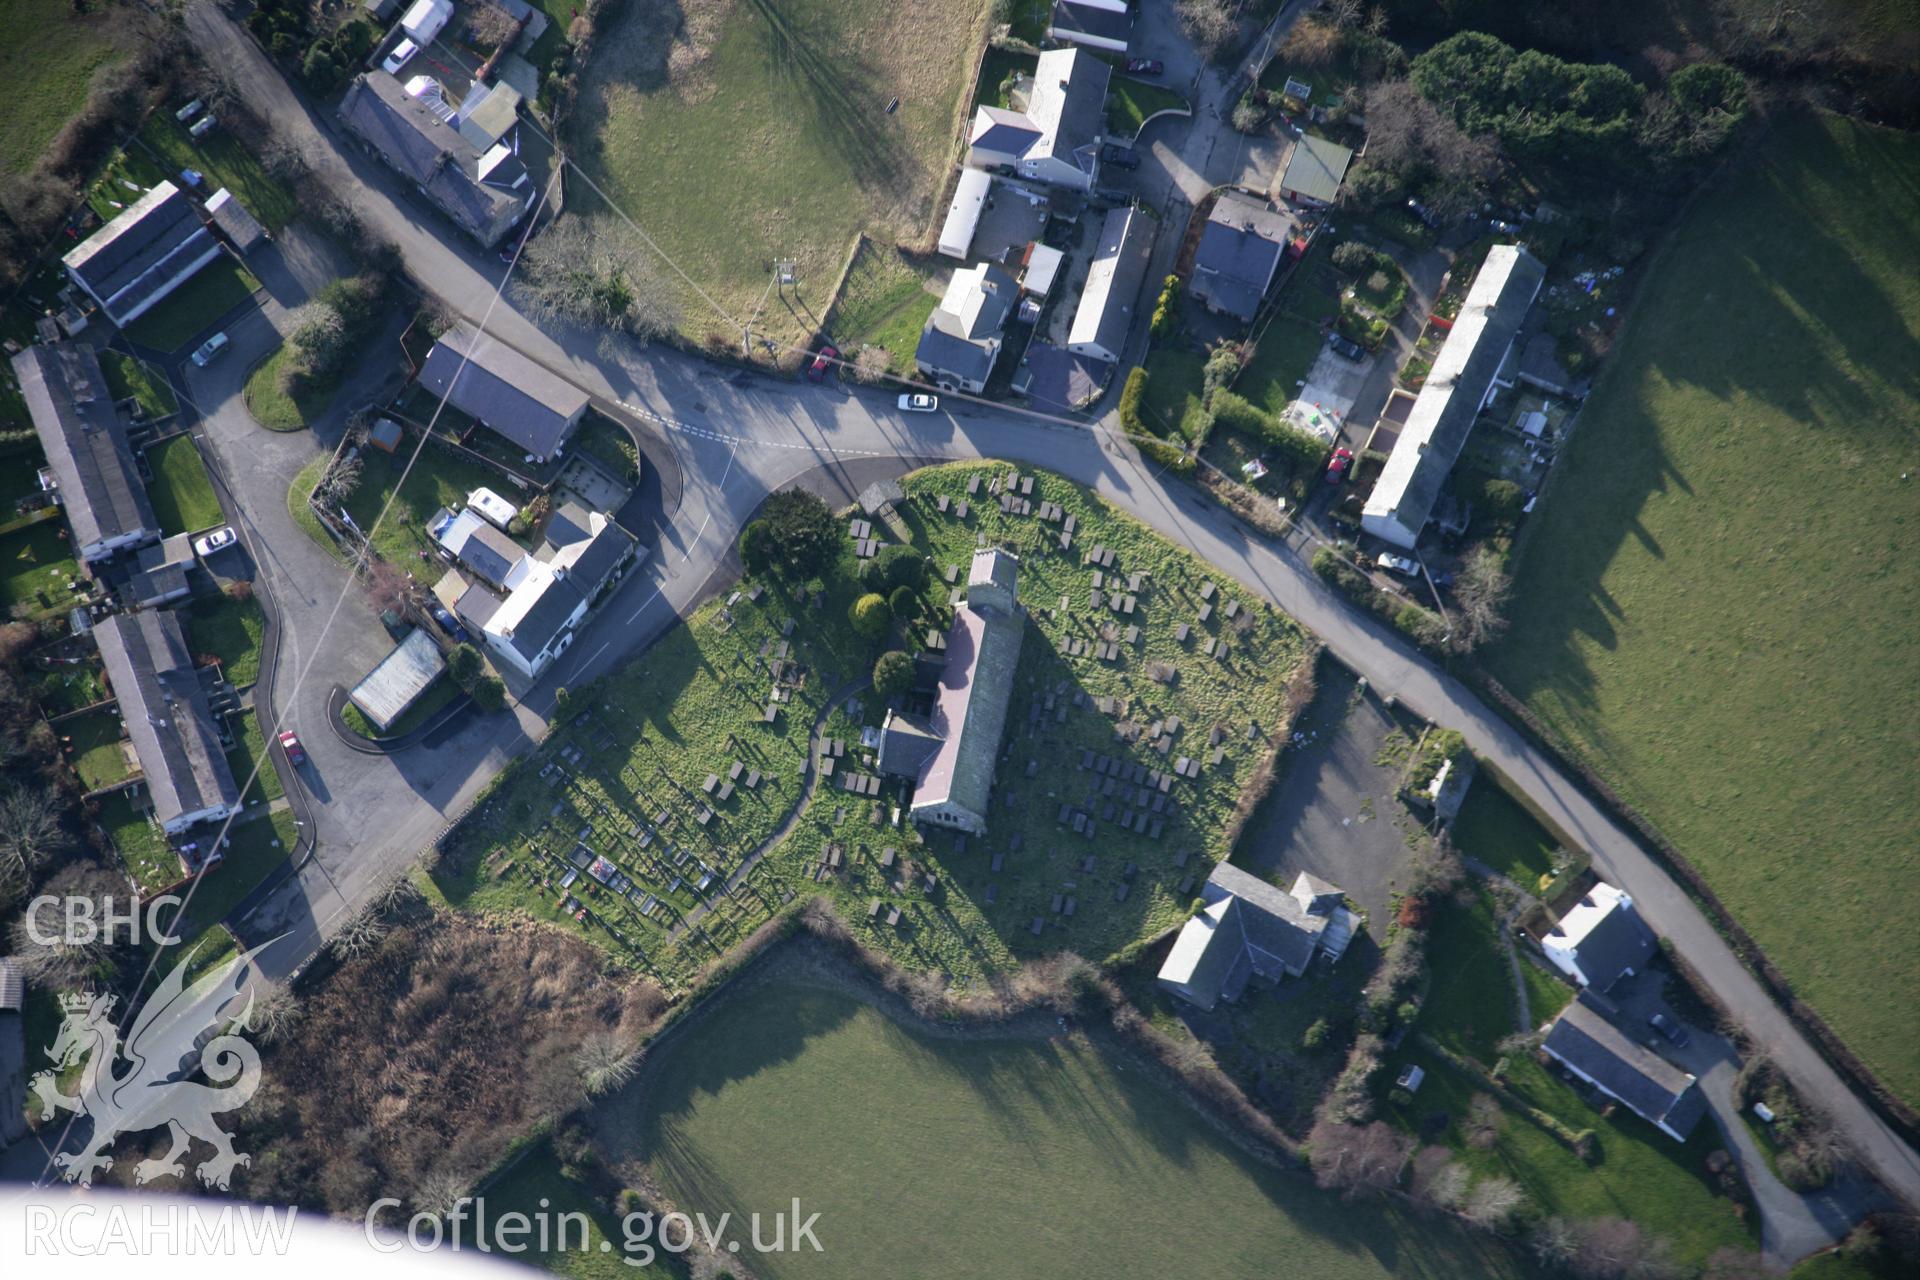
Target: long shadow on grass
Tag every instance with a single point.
(838, 84)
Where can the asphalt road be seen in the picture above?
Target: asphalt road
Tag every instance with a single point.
(733, 445)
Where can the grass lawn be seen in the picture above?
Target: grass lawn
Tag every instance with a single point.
(998, 1157)
(249, 749)
(1172, 406)
(63, 689)
(46, 62)
(231, 630)
(182, 492)
(128, 377)
(1130, 102)
(886, 303)
(224, 161)
(273, 408)
(1285, 352)
(254, 849)
(760, 130)
(1493, 827)
(438, 479)
(536, 1180)
(297, 494)
(195, 306)
(99, 752)
(1733, 492)
(142, 845)
(35, 566)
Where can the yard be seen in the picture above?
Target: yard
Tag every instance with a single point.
(36, 565)
(753, 130)
(194, 307)
(1172, 406)
(272, 407)
(1494, 828)
(1734, 489)
(885, 303)
(1130, 103)
(182, 491)
(224, 162)
(988, 1154)
(46, 62)
(140, 842)
(97, 749)
(60, 689)
(130, 378)
(440, 478)
(256, 846)
(249, 750)
(231, 631)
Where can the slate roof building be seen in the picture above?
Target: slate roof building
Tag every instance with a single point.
(950, 754)
(151, 248)
(1601, 940)
(1586, 1040)
(1239, 253)
(1106, 312)
(484, 193)
(13, 1051)
(85, 441)
(1097, 24)
(962, 338)
(488, 114)
(509, 394)
(484, 551)
(1057, 139)
(159, 577)
(1247, 927)
(550, 598)
(1315, 170)
(242, 230)
(1466, 374)
(153, 679)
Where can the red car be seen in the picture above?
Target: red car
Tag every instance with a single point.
(1145, 66)
(296, 754)
(1337, 469)
(822, 362)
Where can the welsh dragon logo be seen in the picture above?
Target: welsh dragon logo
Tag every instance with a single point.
(142, 1084)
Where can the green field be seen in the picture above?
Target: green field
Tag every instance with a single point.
(195, 306)
(1130, 103)
(36, 565)
(985, 1156)
(537, 1180)
(758, 129)
(46, 62)
(182, 491)
(131, 378)
(1717, 600)
(230, 630)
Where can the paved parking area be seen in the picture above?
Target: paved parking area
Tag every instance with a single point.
(1333, 811)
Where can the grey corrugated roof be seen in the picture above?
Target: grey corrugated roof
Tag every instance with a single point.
(1238, 253)
(1106, 310)
(151, 672)
(398, 680)
(85, 442)
(138, 254)
(425, 148)
(1107, 24)
(523, 401)
(13, 985)
(1585, 1037)
(1437, 426)
(1276, 928)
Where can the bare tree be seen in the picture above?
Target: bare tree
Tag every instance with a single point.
(387, 586)
(1312, 43)
(870, 364)
(339, 483)
(70, 958)
(439, 1190)
(1616, 1249)
(1377, 21)
(1481, 595)
(1729, 1263)
(275, 1011)
(490, 26)
(595, 273)
(1357, 1159)
(1345, 13)
(1553, 1241)
(1483, 1121)
(1492, 1203)
(359, 935)
(1439, 1179)
(605, 1062)
(1414, 140)
(1209, 24)
(30, 832)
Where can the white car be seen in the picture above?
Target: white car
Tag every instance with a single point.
(1397, 564)
(219, 539)
(204, 354)
(919, 403)
(398, 58)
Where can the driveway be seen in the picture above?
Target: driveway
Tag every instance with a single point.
(734, 445)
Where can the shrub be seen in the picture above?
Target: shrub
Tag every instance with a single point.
(1223, 365)
(1131, 397)
(1237, 413)
(895, 566)
(463, 665)
(1353, 256)
(1167, 308)
(802, 531)
(489, 693)
(903, 602)
(1502, 499)
(756, 546)
(892, 674)
(1316, 1035)
(870, 615)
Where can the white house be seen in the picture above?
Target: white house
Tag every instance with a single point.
(1057, 139)
(963, 215)
(962, 338)
(1601, 940)
(1108, 301)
